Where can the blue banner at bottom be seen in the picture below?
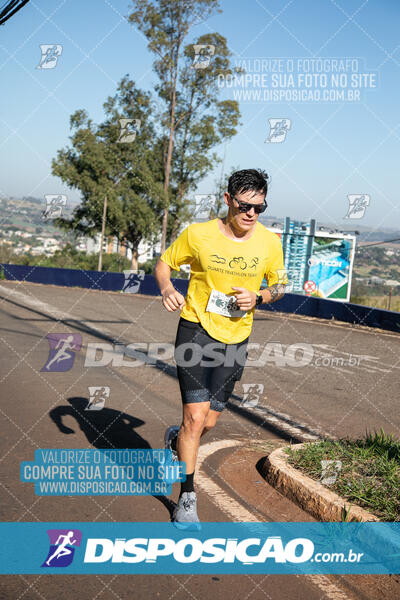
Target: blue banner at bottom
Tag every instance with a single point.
(161, 548)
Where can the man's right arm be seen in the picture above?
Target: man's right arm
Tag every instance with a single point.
(171, 298)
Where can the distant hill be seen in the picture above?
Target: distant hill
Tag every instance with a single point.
(26, 214)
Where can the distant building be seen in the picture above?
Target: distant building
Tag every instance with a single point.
(111, 245)
(392, 282)
(376, 280)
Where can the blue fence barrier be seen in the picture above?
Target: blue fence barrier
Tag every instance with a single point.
(290, 303)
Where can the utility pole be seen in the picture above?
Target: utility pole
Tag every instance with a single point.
(103, 223)
(389, 298)
(103, 226)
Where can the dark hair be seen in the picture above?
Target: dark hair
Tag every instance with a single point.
(248, 180)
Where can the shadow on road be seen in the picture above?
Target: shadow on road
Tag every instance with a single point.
(168, 369)
(106, 429)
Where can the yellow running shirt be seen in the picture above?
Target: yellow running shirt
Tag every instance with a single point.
(218, 263)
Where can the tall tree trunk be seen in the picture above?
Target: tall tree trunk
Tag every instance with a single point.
(177, 221)
(134, 260)
(103, 225)
(167, 172)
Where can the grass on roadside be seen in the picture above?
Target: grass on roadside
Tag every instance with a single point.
(368, 473)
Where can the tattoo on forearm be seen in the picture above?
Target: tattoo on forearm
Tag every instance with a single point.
(276, 291)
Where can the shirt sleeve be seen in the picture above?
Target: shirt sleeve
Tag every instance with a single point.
(180, 252)
(276, 272)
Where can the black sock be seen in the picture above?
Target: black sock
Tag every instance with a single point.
(187, 486)
(173, 442)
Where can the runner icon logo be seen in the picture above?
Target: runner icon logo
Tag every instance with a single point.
(204, 204)
(50, 54)
(202, 55)
(278, 129)
(132, 282)
(251, 394)
(98, 395)
(54, 206)
(128, 130)
(62, 351)
(357, 205)
(62, 547)
(330, 471)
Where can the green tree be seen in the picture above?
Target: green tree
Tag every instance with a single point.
(194, 121)
(103, 163)
(203, 122)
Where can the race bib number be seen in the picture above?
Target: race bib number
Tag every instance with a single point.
(224, 305)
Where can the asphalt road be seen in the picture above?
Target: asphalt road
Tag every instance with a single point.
(316, 377)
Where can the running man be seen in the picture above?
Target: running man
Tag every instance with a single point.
(63, 347)
(62, 549)
(228, 260)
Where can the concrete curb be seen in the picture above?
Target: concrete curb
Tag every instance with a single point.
(313, 497)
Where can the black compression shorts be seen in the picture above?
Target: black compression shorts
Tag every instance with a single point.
(207, 368)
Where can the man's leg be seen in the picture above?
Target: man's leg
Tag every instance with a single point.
(194, 386)
(173, 431)
(211, 420)
(195, 416)
(188, 441)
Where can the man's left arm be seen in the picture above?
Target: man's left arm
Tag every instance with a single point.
(247, 300)
(276, 276)
(277, 280)
(273, 293)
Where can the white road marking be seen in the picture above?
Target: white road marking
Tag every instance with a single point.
(228, 505)
(237, 512)
(64, 316)
(284, 421)
(35, 303)
(218, 496)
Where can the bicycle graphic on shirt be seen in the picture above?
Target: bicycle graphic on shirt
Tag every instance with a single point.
(236, 261)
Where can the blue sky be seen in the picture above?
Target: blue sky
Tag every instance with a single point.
(331, 149)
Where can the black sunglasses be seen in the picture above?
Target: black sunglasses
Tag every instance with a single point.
(246, 206)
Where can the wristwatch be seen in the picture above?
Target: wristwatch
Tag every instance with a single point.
(259, 299)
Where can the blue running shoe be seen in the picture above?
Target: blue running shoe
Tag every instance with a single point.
(170, 434)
